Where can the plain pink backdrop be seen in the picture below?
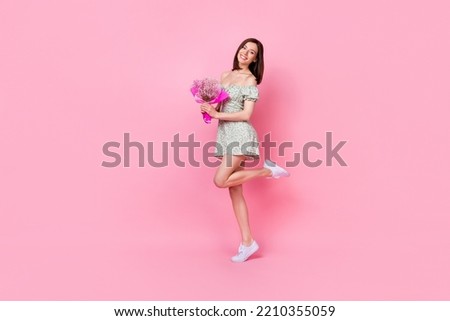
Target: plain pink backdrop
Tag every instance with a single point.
(77, 74)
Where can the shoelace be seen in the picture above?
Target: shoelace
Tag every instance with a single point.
(240, 250)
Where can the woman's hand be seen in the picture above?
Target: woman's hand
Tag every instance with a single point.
(208, 108)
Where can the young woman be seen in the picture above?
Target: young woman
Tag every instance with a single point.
(237, 140)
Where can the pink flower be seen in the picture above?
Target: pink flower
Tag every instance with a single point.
(208, 90)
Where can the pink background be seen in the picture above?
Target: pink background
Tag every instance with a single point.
(77, 74)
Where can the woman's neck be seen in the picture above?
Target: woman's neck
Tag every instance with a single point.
(245, 71)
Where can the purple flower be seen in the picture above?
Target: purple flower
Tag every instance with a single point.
(208, 90)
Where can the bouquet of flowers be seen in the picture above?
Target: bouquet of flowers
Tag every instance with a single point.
(208, 90)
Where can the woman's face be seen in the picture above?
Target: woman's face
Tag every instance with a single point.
(248, 53)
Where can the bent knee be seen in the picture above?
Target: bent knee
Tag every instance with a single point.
(220, 183)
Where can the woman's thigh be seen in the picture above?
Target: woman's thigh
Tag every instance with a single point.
(230, 164)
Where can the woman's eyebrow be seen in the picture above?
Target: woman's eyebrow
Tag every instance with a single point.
(245, 47)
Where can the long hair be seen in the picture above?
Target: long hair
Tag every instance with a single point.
(256, 68)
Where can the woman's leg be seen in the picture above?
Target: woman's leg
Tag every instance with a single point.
(241, 212)
(227, 175)
(248, 246)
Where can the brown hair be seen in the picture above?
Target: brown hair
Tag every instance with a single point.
(256, 68)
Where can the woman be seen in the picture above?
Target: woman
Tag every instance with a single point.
(237, 139)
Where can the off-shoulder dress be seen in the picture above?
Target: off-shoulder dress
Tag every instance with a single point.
(237, 137)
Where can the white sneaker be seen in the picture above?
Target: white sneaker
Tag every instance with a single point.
(276, 170)
(245, 252)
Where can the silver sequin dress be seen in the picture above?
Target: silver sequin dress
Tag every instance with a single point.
(237, 137)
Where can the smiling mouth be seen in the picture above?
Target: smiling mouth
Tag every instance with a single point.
(243, 57)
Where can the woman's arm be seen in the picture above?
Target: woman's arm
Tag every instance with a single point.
(243, 115)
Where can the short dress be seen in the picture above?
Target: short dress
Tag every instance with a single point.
(237, 137)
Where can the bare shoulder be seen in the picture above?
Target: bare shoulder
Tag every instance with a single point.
(225, 74)
(250, 81)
